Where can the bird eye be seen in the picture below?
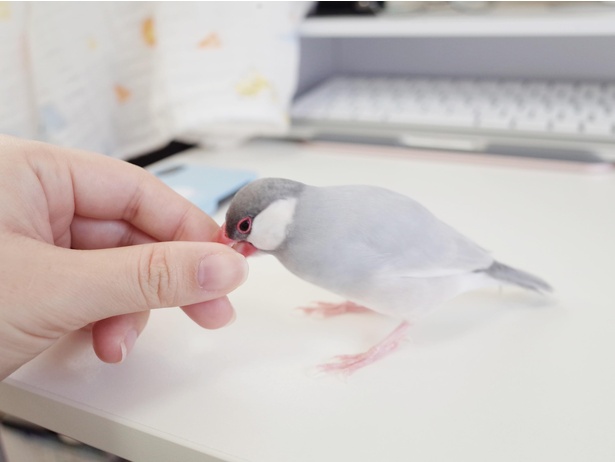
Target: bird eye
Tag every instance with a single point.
(245, 225)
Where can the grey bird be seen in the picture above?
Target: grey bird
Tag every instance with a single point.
(375, 247)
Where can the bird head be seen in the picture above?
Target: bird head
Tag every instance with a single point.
(260, 215)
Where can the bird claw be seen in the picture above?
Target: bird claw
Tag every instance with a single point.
(346, 364)
(350, 363)
(328, 310)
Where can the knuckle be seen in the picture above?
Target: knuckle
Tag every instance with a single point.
(156, 279)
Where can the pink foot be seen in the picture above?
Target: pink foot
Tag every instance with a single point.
(347, 364)
(327, 310)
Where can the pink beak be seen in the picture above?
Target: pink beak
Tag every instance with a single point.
(243, 247)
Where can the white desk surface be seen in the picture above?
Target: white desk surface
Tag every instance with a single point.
(491, 376)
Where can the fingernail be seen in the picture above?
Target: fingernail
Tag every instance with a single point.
(128, 342)
(222, 271)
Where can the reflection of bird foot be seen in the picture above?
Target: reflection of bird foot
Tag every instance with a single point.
(347, 364)
(327, 310)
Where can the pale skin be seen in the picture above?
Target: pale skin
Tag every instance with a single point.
(91, 241)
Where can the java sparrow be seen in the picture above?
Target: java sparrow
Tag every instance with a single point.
(372, 246)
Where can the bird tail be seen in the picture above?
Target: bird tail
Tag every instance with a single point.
(510, 275)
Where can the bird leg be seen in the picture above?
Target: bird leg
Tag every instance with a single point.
(348, 364)
(327, 310)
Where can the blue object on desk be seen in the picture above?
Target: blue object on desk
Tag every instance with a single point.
(206, 187)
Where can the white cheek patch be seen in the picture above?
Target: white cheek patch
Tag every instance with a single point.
(269, 227)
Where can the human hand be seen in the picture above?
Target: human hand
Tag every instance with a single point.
(84, 239)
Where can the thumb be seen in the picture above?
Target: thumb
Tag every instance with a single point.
(108, 282)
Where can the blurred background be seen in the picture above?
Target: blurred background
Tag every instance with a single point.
(533, 79)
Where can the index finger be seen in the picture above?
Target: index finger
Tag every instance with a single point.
(111, 189)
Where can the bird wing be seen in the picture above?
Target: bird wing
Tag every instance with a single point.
(390, 234)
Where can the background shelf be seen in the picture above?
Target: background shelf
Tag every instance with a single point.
(544, 24)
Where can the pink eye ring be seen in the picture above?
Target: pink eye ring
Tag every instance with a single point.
(244, 225)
